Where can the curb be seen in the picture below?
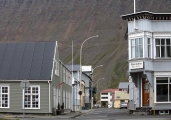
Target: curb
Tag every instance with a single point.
(76, 116)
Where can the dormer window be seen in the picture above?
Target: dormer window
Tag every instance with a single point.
(136, 48)
(163, 48)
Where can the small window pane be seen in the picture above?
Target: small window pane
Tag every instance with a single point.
(162, 92)
(157, 41)
(158, 51)
(132, 42)
(162, 81)
(170, 92)
(167, 41)
(148, 41)
(162, 51)
(132, 52)
(140, 41)
(141, 51)
(168, 51)
(136, 41)
(162, 41)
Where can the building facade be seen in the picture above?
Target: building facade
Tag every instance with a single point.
(39, 64)
(107, 97)
(149, 59)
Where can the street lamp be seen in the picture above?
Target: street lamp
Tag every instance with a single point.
(80, 63)
(92, 85)
(97, 85)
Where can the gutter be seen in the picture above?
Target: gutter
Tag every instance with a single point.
(49, 97)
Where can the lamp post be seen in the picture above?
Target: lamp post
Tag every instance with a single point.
(92, 85)
(80, 63)
(97, 85)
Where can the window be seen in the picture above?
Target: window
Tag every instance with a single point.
(57, 68)
(163, 48)
(163, 89)
(104, 93)
(148, 47)
(59, 95)
(137, 48)
(104, 97)
(4, 96)
(64, 75)
(32, 97)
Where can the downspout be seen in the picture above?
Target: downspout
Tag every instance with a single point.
(49, 97)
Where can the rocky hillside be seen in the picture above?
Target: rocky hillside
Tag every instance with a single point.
(75, 20)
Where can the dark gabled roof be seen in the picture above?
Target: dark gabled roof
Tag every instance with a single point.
(147, 15)
(26, 60)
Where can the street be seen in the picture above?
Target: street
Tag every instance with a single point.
(109, 114)
(119, 114)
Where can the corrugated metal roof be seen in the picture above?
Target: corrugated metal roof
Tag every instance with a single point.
(123, 85)
(26, 60)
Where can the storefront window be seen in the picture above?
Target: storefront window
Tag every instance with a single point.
(163, 89)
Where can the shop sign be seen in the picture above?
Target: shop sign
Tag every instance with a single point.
(136, 65)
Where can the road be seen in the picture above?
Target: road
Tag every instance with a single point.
(119, 114)
(109, 114)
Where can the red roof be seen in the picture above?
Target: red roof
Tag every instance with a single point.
(109, 90)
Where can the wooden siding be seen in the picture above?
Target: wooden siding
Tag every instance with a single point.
(16, 98)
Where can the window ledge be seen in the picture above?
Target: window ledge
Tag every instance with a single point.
(162, 102)
(31, 108)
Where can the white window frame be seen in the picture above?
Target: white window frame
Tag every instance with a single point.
(8, 103)
(136, 47)
(165, 47)
(64, 75)
(149, 48)
(155, 92)
(31, 98)
(59, 96)
(64, 98)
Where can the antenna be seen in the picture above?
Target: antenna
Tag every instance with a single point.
(134, 18)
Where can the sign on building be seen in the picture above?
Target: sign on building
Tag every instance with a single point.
(136, 65)
(86, 68)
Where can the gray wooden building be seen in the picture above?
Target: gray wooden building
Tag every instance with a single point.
(38, 63)
(86, 78)
(149, 59)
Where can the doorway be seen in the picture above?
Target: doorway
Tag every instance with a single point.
(145, 92)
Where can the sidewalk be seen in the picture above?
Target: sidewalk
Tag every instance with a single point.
(64, 115)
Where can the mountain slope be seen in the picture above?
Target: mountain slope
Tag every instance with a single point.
(75, 20)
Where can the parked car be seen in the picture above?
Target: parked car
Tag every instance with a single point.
(97, 105)
(123, 105)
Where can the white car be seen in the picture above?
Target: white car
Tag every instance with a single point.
(123, 105)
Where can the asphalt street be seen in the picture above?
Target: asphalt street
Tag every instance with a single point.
(118, 114)
(107, 114)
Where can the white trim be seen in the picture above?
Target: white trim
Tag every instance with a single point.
(22, 80)
(54, 60)
(8, 96)
(49, 97)
(159, 74)
(162, 34)
(23, 97)
(136, 35)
